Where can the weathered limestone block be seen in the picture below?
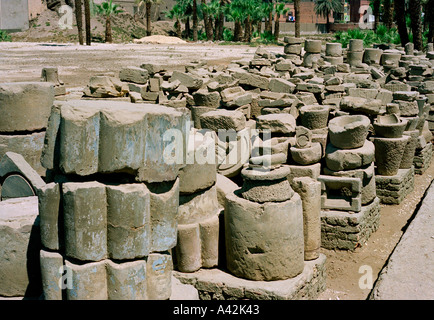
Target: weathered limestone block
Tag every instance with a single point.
(333, 49)
(349, 131)
(164, 209)
(252, 80)
(191, 81)
(394, 189)
(314, 116)
(159, 269)
(366, 174)
(153, 68)
(101, 136)
(127, 280)
(372, 56)
(362, 105)
(89, 281)
(312, 46)
(281, 85)
(79, 140)
(341, 193)
(277, 123)
(14, 164)
(197, 245)
(200, 170)
(224, 186)
(207, 99)
(128, 221)
(25, 106)
(312, 171)
(268, 186)
(407, 108)
(121, 141)
(264, 241)
(51, 74)
(422, 158)
(102, 86)
(19, 247)
(310, 193)
(223, 119)
(389, 153)
(348, 230)
(134, 74)
(410, 149)
(28, 145)
(49, 207)
(198, 207)
(85, 220)
(51, 267)
(347, 159)
(306, 156)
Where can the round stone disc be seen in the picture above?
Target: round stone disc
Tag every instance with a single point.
(16, 186)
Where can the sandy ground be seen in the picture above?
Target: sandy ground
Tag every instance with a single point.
(24, 61)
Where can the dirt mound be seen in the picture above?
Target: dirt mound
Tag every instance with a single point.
(125, 28)
(160, 39)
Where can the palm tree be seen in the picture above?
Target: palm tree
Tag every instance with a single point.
(146, 5)
(108, 9)
(79, 19)
(206, 22)
(376, 5)
(400, 21)
(416, 23)
(326, 7)
(280, 10)
(429, 12)
(176, 13)
(87, 22)
(388, 13)
(297, 18)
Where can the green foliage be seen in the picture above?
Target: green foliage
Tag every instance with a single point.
(228, 34)
(108, 8)
(369, 37)
(325, 7)
(4, 36)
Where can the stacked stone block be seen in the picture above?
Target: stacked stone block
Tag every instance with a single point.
(394, 152)
(198, 214)
(350, 207)
(108, 218)
(24, 111)
(333, 53)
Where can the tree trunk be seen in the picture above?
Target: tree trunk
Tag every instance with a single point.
(208, 31)
(376, 12)
(237, 31)
(430, 18)
(108, 30)
(388, 13)
(270, 22)
(79, 20)
(259, 26)
(195, 22)
(187, 28)
(297, 18)
(178, 28)
(87, 22)
(221, 25)
(416, 23)
(328, 22)
(248, 30)
(211, 27)
(400, 21)
(277, 27)
(148, 18)
(217, 35)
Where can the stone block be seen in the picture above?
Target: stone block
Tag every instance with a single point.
(134, 74)
(281, 85)
(49, 208)
(128, 221)
(348, 230)
(51, 267)
(28, 145)
(252, 80)
(126, 280)
(191, 81)
(341, 193)
(394, 189)
(312, 171)
(164, 209)
(223, 119)
(85, 220)
(264, 241)
(19, 247)
(198, 206)
(89, 281)
(159, 269)
(310, 193)
(25, 106)
(347, 159)
(277, 123)
(207, 99)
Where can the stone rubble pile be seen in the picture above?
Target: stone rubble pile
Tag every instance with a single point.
(278, 155)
